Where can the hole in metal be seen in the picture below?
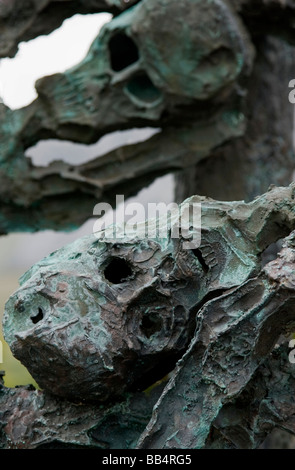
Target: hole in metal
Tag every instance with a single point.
(46, 151)
(117, 271)
(142, 88)
(201, 260)
(151, 324)
(38, 317)
(123, 51)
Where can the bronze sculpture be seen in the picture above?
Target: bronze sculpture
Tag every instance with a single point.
(215, 309)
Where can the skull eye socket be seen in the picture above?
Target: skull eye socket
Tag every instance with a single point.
(151, 324)
(123, 52)
(142, 88)
(117, 271)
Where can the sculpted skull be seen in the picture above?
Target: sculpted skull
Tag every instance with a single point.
(145, 64)
(100, 317)
(155, 64)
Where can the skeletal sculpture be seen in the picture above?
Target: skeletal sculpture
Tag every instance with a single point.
(99, 321)
(100, 318)
(190, 78)
(128, 79)
(110, 314)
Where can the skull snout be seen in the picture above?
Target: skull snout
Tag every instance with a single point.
(24, 312)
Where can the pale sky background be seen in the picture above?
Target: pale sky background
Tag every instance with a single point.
(45, 55)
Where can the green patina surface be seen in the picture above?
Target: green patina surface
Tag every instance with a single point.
(109, 311)
(174, 65)
(98, 319)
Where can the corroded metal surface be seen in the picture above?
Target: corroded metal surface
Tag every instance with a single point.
(31, 419)
(88, 332)
(99, 321)
(22, 20)
(137, 73)
(235, 334)
(110, 314)
(199, 100)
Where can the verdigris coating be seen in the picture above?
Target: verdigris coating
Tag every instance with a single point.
(102, 317)
(99, 321)
(194, 80)
(187, 78)
(235, 335)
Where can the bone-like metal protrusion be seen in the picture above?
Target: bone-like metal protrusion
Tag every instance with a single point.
(32, 195)
(130, 78)
(143, 69)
